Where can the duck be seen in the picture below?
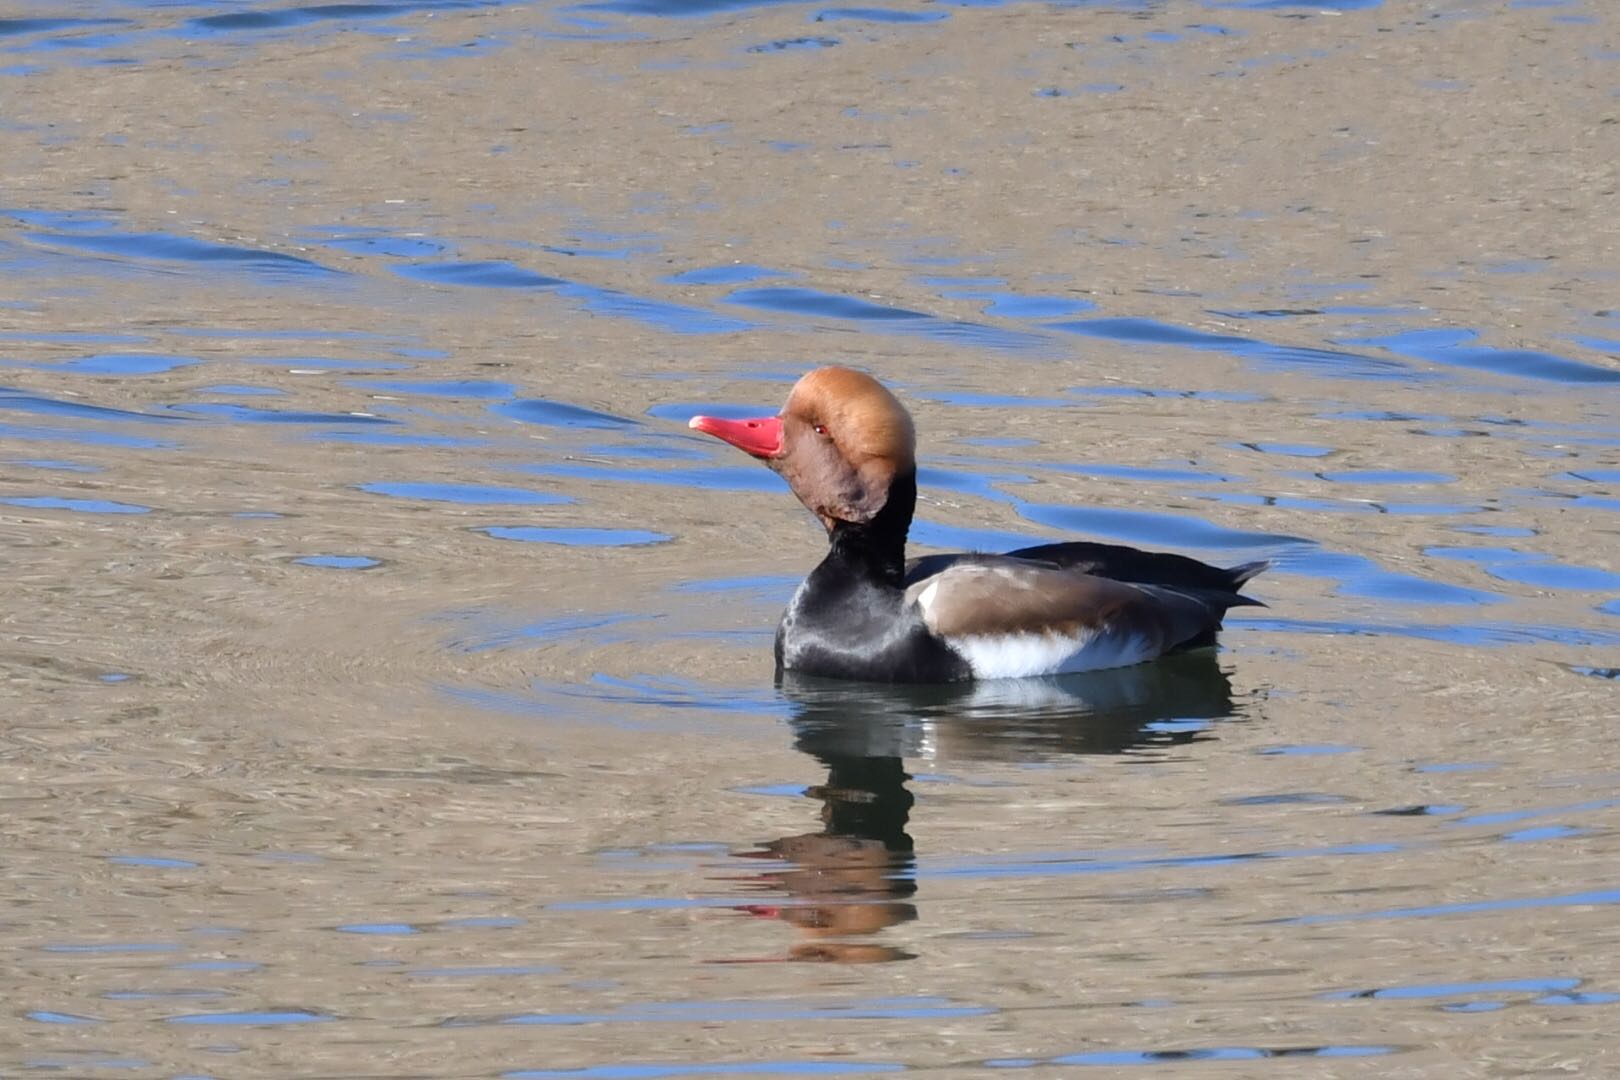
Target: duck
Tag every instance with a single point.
(847, 448)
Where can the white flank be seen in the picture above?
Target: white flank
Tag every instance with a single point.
(1020, 656)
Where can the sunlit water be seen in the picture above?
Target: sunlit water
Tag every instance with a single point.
(388, 688)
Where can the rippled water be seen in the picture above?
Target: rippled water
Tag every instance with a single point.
(388, 687)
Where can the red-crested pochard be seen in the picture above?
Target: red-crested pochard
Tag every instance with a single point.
(847, 448)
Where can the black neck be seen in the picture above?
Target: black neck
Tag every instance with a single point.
(876, 549)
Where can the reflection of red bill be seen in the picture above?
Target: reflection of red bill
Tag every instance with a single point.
(763, 911)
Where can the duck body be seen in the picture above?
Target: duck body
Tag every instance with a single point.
(845, 446)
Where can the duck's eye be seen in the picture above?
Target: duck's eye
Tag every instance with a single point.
(821, 429)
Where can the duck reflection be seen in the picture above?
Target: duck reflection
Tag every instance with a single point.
(855, 876)
(851, 879)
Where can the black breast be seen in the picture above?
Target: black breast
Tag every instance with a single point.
(853, 629)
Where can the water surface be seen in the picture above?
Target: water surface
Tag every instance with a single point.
(388, 666)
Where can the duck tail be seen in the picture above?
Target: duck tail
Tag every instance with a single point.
(1241, 576)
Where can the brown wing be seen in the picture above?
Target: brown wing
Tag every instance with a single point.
(926, 566)
(996, 595)
(1118, 563)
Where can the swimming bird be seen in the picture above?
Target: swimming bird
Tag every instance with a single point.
(847, 448)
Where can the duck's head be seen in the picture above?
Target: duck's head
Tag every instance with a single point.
(840, 442)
